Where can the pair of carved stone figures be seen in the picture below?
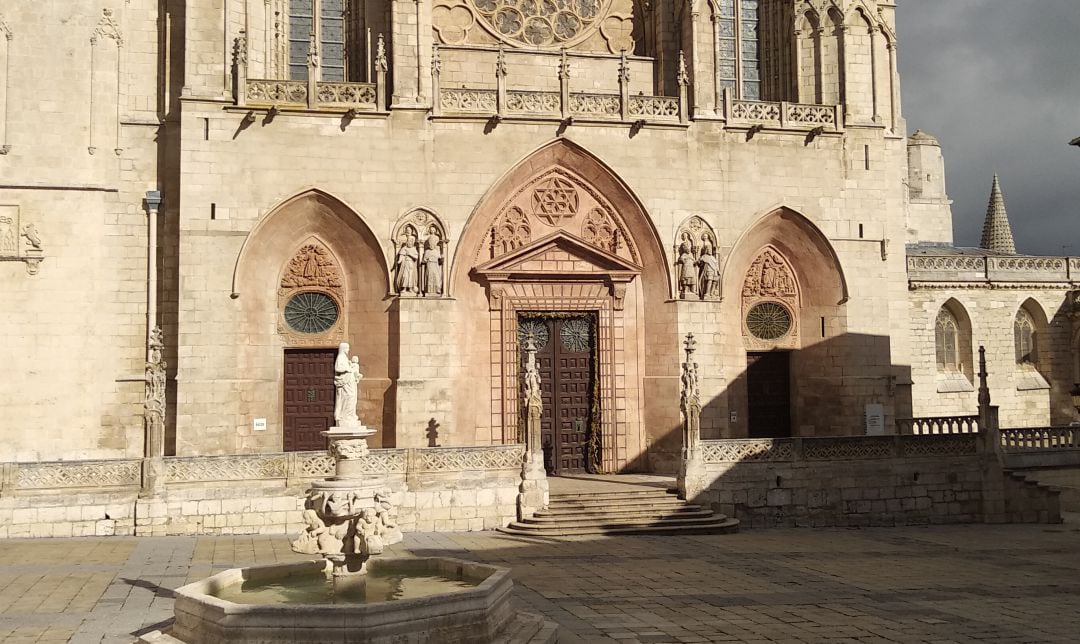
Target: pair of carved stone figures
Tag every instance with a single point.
(699, 271)
(351, 530)
(419, 271)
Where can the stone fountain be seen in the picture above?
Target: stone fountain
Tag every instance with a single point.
(350, 595)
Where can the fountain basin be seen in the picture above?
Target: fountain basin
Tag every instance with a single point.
(475, 614)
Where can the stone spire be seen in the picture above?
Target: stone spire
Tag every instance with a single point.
(997, 234)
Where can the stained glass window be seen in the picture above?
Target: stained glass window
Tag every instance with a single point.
(738, 47)
(1025, 336)
(311, 312)
(331, 38)
(947, 335)
(768, 321)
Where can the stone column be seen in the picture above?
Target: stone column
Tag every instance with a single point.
(534, 491)
(691, 470)
(153, 464)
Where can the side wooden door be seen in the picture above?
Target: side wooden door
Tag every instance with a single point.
(309, 398)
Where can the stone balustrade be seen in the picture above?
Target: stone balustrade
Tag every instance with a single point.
(1028, 439)
(563, 105)
(782, 115)
(836, 448)
(992, 268)
(288, 468)
(938, 425)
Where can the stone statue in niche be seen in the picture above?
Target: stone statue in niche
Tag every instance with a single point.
(709, 278)
(431, 269)
(408, 256)
(687, 269)
(346, 381)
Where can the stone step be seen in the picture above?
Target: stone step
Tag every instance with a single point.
(614, 513)
(636, 500)
(606, 522)
(719, 525)
(616, 494)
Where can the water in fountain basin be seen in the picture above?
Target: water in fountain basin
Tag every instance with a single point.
(384, 584)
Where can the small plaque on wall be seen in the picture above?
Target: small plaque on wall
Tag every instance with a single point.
(259, 425)
(875, 420)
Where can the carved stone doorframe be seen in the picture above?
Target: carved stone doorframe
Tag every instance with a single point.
(560, 273)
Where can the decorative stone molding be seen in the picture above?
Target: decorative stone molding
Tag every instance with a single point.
(77, 474)
(5, 82)
(420, 246)
(838, 448)
(556, 200)
(106, 29)
(457, 459)
(315, 271)
(696, 261)
(770, 303)
(224, 468)
(991, 269)
(13, 234)
(756, 450)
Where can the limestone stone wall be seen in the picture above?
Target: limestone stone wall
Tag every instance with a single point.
(434, 490)
(866, 481)
(78, 86)
(1027, 397)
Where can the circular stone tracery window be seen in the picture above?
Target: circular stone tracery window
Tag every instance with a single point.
(311, 312)
(768, 321)
(541, 22)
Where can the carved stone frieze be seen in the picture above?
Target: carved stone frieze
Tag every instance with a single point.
(770, 276)
(312, 265)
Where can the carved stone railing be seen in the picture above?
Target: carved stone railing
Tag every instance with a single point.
(1028, 439)
(660, 108)
(289, 468)
(275, 92)
(782, 115)
(603, 106)
(348, 95)
(72, 474)
(938, 425)
(992, 268)
(564, 105)
(778, 450)
(467, 101)
(526, 102)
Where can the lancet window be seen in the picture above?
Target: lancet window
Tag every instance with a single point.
(947, 339)
(1026, 338)
(333, 30)
(754, 49)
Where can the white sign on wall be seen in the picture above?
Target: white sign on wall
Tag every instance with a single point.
(259, 425)
(875, 420)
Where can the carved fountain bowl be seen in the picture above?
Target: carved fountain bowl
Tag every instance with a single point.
(473, 613)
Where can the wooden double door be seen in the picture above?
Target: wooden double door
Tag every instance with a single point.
(309, 398)
(565, 344)
(768, 386)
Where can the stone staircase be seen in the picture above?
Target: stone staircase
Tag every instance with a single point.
(642, 511)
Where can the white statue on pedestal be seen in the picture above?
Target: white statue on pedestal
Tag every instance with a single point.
(346, 382)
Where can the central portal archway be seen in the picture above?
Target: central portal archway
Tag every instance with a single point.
(561, 237)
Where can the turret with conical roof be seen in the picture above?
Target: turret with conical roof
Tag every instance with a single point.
(997, 233)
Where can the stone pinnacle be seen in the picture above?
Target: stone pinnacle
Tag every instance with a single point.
(997, 234)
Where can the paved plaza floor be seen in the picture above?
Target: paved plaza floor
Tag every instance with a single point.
(920, 584)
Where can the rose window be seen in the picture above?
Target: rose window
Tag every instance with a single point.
(311, 312)
(533, 331)
(540, 23)
(768, 321)
(576, 335)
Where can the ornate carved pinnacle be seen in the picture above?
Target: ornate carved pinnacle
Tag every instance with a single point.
(380, 54)
(682, 76)
(500, 62)
(624, 68)
(240, 49)
(313, 52)
(691, 346)
(436, 62)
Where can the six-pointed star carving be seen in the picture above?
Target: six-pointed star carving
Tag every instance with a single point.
(555, 200)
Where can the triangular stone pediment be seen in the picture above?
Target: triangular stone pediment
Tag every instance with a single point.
(559, 255)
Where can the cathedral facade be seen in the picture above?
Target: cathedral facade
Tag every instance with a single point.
(441, 183)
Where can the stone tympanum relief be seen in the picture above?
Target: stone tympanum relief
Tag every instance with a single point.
(556, 200)
(310, 296)
(419, 261)
(697, 265)
(604, 26)
(770, 300)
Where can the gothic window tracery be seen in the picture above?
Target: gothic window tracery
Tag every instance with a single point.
(1026, 338)
(947, 341)
(738, 47)
(332, 26)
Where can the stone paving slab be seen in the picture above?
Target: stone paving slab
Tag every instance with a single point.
(943, 584)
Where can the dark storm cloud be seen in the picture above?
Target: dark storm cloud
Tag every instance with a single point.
(998, 82)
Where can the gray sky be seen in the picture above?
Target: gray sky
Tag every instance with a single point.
(998, 82)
